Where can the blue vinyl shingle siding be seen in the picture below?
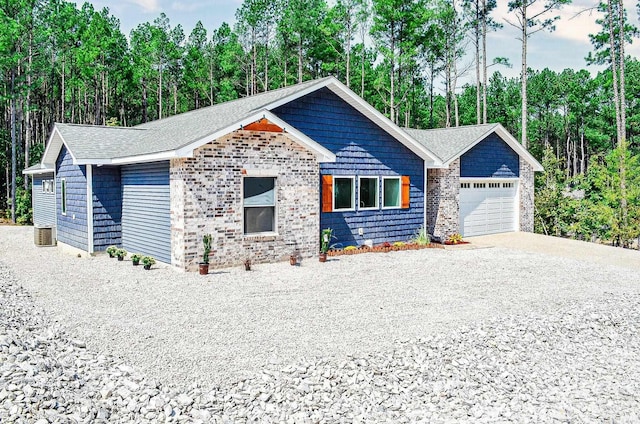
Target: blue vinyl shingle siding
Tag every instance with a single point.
(362, 149)
(492, 157)
(72, 227)
(146, 209)
(44, 204)
(107, 207)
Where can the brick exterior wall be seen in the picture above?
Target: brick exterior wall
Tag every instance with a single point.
(206, 197)
(443, 201)
(526, 196)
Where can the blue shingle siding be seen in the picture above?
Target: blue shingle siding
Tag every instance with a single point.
(492, 157)
(362, 149)
(146, 209)
(72, 227)
(44, 204)
(107, 207)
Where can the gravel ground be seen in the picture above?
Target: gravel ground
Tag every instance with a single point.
(478, 335)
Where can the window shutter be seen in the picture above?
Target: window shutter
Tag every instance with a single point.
(327, 193)
(406, 185)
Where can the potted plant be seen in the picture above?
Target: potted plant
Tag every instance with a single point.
(111, 250)
(121, 253)
(147, 261)
(204, 265)
(325, 239)
(135, 258)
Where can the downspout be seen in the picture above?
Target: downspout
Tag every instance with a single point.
(90, 246)
(424, 203)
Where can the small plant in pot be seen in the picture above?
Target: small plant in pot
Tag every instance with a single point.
(135, 258)
(121, 253)
(204, 265)
(325, 239)
(147, 261)
(111, 251)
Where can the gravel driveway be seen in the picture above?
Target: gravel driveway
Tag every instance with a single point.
(177, 329)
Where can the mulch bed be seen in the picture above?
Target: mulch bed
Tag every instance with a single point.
(383, 249)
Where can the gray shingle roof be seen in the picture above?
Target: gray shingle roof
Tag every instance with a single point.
(449, 143)
(99, 142)
(169, 133)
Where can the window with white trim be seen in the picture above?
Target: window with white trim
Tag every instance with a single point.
(507, 185)
(47, 186)
(479, 185)
(63, 195)
(494, 185)
(368, 193)
(465, 185)
(343, 193)
(391, 192)
(259, 204)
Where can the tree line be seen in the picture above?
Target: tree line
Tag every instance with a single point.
(60, 62)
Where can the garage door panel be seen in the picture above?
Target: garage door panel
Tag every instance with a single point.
(487, 210)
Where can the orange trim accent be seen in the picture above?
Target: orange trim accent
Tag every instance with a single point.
(263, 125)
(327, 193)
(406, 187)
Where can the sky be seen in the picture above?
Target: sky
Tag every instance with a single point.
(566, 47)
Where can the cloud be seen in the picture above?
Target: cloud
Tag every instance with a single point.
(181, 6)
(149, 6)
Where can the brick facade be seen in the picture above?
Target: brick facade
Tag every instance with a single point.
(443, 201)
(526, 196)
(206, 197)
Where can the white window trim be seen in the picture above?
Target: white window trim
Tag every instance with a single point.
(261, 174)
(63, 196)
(353, 193)
(399, 179)
(369, 177)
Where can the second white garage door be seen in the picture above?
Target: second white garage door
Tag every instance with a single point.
(488, 207)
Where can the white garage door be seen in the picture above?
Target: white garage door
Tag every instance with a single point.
(487, 207)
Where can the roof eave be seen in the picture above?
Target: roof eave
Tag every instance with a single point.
(508, 138)
(385, 123)
(323, 154)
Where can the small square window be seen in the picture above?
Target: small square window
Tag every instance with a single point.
(368, 193)
(343, 193)
(391, 192)
(465, 185)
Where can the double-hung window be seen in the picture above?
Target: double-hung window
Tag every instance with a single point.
(259, 202)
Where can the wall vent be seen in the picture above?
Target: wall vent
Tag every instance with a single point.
(43, 236)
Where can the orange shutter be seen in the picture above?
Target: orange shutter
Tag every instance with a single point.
(406, 185)
(327, 193)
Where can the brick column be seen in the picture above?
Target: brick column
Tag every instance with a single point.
(526, 196)
(443, 201)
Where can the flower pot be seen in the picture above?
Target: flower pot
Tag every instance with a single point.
(147, 267)
(121, 258)
(247, 265)
(203, 268)
(322, 257)
(293, 260)
(135, 263)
